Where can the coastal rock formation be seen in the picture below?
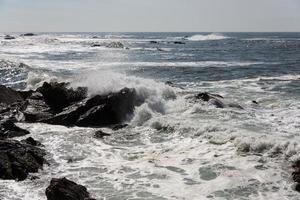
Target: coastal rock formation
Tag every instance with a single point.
(9, 96)
(8, 130)
(296, 175)
(99, 111)
(9, 37)
(28, 34)
(64, 189)
(55, 103)
(58, 96)
(216, 100)
(18, 159)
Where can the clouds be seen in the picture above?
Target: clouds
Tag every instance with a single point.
(149, 15)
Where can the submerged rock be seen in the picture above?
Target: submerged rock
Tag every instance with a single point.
(216, 100)
(9, 37)
(58, 96)
(179, 42)
(96, 45)
(64, 189)
(28, 34)
(18, 159)
(100, 134)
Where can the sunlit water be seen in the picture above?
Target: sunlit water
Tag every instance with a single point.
(174, 147)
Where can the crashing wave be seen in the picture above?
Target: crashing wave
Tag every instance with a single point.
(212, 36)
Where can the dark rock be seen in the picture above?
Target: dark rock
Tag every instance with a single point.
(215, 99)
(9, 96)
(31, 141)
(37, 110)
(17, 159)
(100, 134)
(118, 45)
(100, 110)
(169, 83)
(153, 42)
(58, 96)
(9, 37)
(297, 187)
(64, 189)
(95, 37)
(119, 126)
(8, 130)
(96, 45)
(255, 102)
(179, 42)
(28, 34)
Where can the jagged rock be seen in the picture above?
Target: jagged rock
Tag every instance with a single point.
(8, 130)
(17, 159)
(37, 109)
(99, 111)
(115, 45)
(9, 37)
(9, 96)
(100, 134)
(64, 189)
(58, 96)
(31, 141)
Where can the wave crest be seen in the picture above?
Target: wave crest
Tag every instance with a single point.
(212, 36)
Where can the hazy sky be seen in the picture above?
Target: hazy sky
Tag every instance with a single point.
(149, 15)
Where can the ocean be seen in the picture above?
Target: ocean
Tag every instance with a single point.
(174, 147)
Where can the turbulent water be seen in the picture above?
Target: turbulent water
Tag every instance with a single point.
(174, 147)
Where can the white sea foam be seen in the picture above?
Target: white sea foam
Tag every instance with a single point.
(212, 36)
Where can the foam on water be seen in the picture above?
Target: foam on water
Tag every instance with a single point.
(212, 36)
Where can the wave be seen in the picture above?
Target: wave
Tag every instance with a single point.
(212, 36)
(182, 64)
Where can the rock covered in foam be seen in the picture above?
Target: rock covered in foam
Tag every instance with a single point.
(18, 159)
(64, 189)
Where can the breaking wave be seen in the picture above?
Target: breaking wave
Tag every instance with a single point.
(212, 36)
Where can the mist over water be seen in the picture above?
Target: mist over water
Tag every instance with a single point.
(174, 147)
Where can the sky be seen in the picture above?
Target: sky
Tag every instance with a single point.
(149, 15)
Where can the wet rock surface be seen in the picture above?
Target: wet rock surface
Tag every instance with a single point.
(99, 111)
(216, 100)
(58, 104)
(18, 159)
(9, 130)
(64, 189)
(296, 175)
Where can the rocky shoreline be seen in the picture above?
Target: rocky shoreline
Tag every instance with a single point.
(59, 104)
(55, 103)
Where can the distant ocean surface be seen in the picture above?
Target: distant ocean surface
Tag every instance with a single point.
(173, 148)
